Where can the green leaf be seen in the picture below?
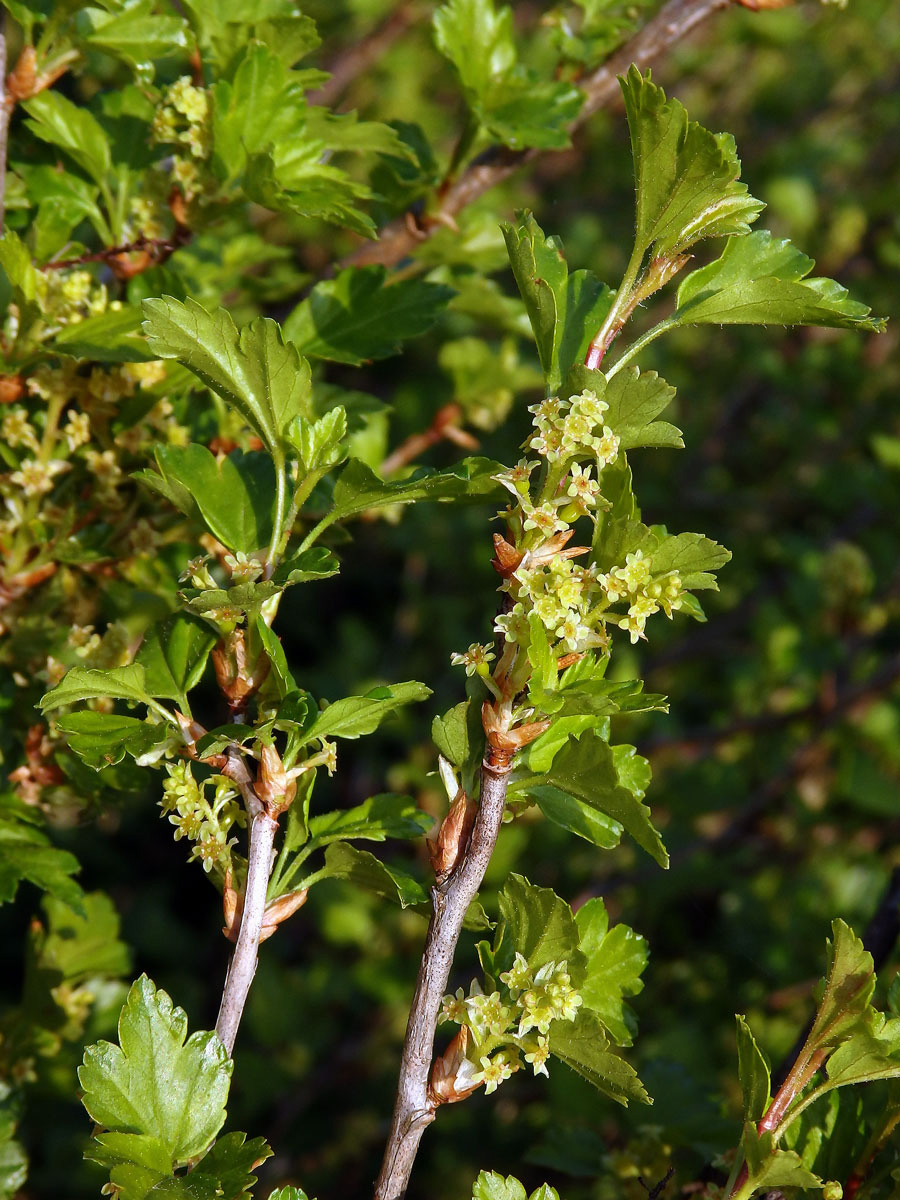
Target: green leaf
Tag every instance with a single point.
(686, 184)
(288, 1193)
(868, 1053)
(359, 488)
(306, 567)
(13, 1160)
(635, 400)
(233, 496)
(271, 642)
(459, 736)
(693, 556)
(356, 316)
(583, 1046)
(576, 816)
(753, 1071)
(761, 280)
(491, 1186)
(255, 370)
(103, 739)
(773, 1168)
(849, 984)
(83, 945)
(86, 683)
(616, 958)
(174, 654)
(230, 1164)
(141, 1167)
(155, 1082)
(113, 336)
(27, 853)
(137, 35)
(587, 769)
(375, 820)
(565, 311)
(540, 925)
(58, 121)
(358, 867)
(357, 715)
(511, 102)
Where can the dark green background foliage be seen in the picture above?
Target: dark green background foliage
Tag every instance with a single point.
(777, 772)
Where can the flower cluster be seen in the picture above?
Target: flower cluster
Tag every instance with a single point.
(565, 429)
(505, 1027)
(185, 119)
(645, 595)
(573, 602)
(204, 822)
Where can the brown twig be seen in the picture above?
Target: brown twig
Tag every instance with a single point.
(399, 238)
(415, 1108)
(444, 426)
(155, 251)
(356, 59)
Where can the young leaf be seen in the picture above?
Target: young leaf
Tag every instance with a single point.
(358, 867)
(635, 400)
(770, 1167)
(565, 310)
(540, 925)
(753, 1071)
(359, 488)
(586, 768)
(357, 715)
(685, 177)
(71, 127)
(103, 739)
(512, 103)
(761, 280)
(86, 683)
(112, 336)
(583, 1046)
(173, 654)
(459, 736)
(281, 672)
(154, 1082)
(255, 370)
(573, 814)
(137, 35)
(616, 959)
(375, 820)
(491, 1186)
(356, 317)
(849, 984)
(234, 496)
(867, 1054)
(693, 556)
(288, 1193)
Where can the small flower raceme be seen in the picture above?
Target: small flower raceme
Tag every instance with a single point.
(500, 1024)
(204, 822)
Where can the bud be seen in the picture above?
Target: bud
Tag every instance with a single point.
(21, 81)
(508, 741)
(237, 680)
(12, 388)
(279, 910)
(506, 557)
(832, 1191)
(453, 836)
(445, 1086)
(275, 786)
(276, 912)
